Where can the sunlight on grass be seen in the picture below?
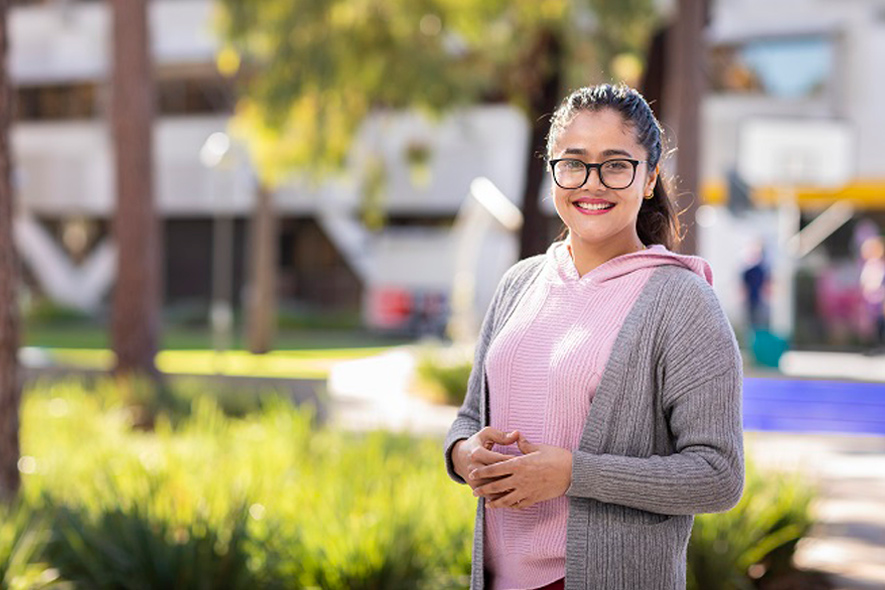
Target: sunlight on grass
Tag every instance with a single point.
(294, 364)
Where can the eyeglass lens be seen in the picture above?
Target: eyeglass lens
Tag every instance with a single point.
(615, 174)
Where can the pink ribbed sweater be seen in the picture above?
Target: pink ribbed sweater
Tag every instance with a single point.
(543, 370)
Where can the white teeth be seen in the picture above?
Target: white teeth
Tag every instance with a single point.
(594, 206)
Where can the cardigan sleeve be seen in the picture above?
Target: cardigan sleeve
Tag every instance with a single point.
(468, 421)
(701, 385)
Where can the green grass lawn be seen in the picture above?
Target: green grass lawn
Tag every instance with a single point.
(299, 354)
(283, 364)
(83, 335)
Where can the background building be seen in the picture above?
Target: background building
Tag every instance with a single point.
(797, 59)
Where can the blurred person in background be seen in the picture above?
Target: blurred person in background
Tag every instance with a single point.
(838, 302)
(755, 281)
(604, 406)
(872, 285)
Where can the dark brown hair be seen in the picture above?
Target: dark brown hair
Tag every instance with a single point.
(657, 222)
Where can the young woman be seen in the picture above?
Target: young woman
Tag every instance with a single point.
(604, 406)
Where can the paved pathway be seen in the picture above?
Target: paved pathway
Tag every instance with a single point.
(848, 539)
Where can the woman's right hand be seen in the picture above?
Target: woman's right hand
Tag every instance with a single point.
(476, 451)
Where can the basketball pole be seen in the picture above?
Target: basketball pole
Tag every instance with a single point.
(783, 273)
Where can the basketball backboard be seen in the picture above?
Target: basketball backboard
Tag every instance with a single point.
(791, 151)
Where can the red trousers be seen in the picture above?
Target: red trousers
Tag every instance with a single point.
(557, 585)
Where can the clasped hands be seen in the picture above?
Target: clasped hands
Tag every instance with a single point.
(542, 472)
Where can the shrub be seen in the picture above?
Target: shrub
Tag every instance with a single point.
(292, 316)
(130, 548)
(44, 311)
(756, 538)
(270, 500)
(443, 374)
(326, 509)
(23, 535)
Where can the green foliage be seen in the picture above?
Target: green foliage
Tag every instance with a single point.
(130, 549)
(267, 498)
(270, 500)
(310, 71)
(22, 539)
(43, 311)
(622, 28)
(301, 317)
(233, 400)
(191, 313)
(444, 375)
(315, 69)
(759, 535)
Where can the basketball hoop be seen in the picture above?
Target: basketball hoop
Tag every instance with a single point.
(786, 153)
(790, 152)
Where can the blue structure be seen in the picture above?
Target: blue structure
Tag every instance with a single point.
(786, 405)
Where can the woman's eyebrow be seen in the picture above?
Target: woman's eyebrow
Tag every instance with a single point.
(615, 152)
(605, 153)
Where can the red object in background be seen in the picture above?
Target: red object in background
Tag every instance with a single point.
(389, 307)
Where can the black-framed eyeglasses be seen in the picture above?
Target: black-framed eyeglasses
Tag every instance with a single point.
(616, 174)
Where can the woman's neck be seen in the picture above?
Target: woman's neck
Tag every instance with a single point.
(587, 257)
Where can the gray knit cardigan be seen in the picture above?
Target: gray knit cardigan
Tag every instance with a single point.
(662, 440)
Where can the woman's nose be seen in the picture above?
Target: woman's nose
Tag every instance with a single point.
(594, 180)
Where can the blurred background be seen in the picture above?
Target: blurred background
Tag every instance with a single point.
(240, 225)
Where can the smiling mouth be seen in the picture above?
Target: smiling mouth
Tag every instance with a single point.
(594, 206)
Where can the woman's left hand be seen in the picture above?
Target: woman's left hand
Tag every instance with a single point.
(542, 472)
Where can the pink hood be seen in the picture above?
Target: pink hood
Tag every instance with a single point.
(561, 262)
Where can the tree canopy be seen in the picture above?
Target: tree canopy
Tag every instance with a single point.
(311, 70)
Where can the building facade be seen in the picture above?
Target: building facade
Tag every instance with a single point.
(798, 60)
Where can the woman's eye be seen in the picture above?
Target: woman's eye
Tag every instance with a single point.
(574, 164)
(617, 165)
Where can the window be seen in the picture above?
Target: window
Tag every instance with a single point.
(786, 67)
(74, 101)
(196, 95)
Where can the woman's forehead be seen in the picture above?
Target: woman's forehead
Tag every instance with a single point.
(598, 131)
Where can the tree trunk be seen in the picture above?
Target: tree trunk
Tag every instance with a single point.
(262, 284)
(543, 100)
(655, 74)
(136, 299)
(10, 374)
(683, 99)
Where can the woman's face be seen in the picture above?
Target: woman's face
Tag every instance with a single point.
(594, 137)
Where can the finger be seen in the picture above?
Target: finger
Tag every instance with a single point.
(525, 446)
(506, 501)
(480, 482)
(475, 483)
(486, 457)
(495, 487)
(495, 470)
(494, 435)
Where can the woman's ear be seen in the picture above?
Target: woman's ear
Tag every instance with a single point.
(651, 181)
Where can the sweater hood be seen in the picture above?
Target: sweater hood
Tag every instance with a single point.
(560, 262)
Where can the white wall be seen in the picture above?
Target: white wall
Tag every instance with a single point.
(70, 41)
